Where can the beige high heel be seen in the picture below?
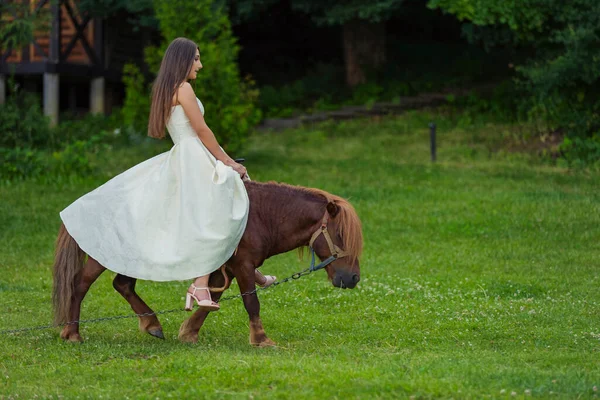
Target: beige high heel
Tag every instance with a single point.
(205, 305)
(269, 279)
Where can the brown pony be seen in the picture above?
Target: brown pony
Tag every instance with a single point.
(281, 218)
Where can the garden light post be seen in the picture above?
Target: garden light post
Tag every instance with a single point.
(432, 141)
(2, 89)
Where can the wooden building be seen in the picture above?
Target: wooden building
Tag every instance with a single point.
(76, 62)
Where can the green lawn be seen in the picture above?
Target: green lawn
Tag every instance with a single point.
(480, 278)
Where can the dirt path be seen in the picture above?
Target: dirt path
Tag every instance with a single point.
(350, 112)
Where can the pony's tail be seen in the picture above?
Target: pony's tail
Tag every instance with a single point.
(68, 260)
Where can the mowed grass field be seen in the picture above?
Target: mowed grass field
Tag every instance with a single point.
(480, 279)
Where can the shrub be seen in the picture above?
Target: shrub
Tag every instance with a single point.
(23, 122)
(229, 100)
(136, 105)
(561, 75)
(20, 162)
(30, 148)
(74, 158)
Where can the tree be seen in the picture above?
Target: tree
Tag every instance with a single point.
(363, 28)
(140, 12)
(562, 72)
(19, 22)
(228, 98)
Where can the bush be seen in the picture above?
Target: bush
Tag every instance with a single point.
(581, 152)
(85, 128)
(74, 158)
(23, 122)
(30, 148)
(136, 105)
(561, 75)
(20, 162)
(229, 100)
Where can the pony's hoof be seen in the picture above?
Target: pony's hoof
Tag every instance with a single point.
(265, 343)
(157, 333)
(72, 337)
(188, 337)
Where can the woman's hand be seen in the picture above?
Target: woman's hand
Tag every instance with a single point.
(240, 169)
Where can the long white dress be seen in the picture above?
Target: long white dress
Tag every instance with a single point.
(176, 216)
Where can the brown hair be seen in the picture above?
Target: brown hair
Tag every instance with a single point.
(174, 70)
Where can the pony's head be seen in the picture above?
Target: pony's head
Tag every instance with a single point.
(342, 235)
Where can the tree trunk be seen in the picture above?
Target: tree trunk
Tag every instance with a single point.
(364, 49)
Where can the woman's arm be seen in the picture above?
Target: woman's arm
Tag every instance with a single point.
(187, 99)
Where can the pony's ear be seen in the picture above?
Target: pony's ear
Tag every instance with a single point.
(332, 209)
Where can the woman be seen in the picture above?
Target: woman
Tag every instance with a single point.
(176, 216)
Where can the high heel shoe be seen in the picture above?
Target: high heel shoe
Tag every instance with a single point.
(269, 279)
(205, 305)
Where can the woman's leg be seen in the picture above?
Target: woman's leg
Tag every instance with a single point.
(259, 278)
(263, 280)
(199, 292)
(201, 282)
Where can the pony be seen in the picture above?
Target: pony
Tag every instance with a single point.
(281, 218)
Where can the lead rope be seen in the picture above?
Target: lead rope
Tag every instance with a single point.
(295, 276)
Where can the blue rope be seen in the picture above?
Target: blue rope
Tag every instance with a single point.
(323, 264)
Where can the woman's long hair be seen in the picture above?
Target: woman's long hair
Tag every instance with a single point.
(174, 70)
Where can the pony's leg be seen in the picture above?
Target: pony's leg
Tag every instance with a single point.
(245, 278)
(148, 323)
(188, 332)
(83, 280)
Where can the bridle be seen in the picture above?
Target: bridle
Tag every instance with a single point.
(336, 252)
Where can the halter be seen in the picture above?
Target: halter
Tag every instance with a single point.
(336, 252)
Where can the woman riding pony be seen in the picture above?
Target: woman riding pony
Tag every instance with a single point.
(179, 215)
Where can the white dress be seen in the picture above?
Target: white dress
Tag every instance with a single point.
(176, 216)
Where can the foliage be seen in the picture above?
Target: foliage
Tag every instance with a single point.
(581, 152)
(30, 148)
(25, 131)
(20, 162)
(140, 13)
(562, 75)
(344, 11)
(76, 157)
(501, 104)
(228, 99)
(322, 84)
(83, 128)
(479, 278)
(136, 105)
(19, 23)
(364, 20)
(71, 159)
(327, 13)
(23, 122)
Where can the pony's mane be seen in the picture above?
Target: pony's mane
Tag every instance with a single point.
(348, 224)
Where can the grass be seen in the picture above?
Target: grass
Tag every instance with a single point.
(479, 280)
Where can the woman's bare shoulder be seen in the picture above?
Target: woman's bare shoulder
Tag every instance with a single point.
(184, 93)
(185, 89)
